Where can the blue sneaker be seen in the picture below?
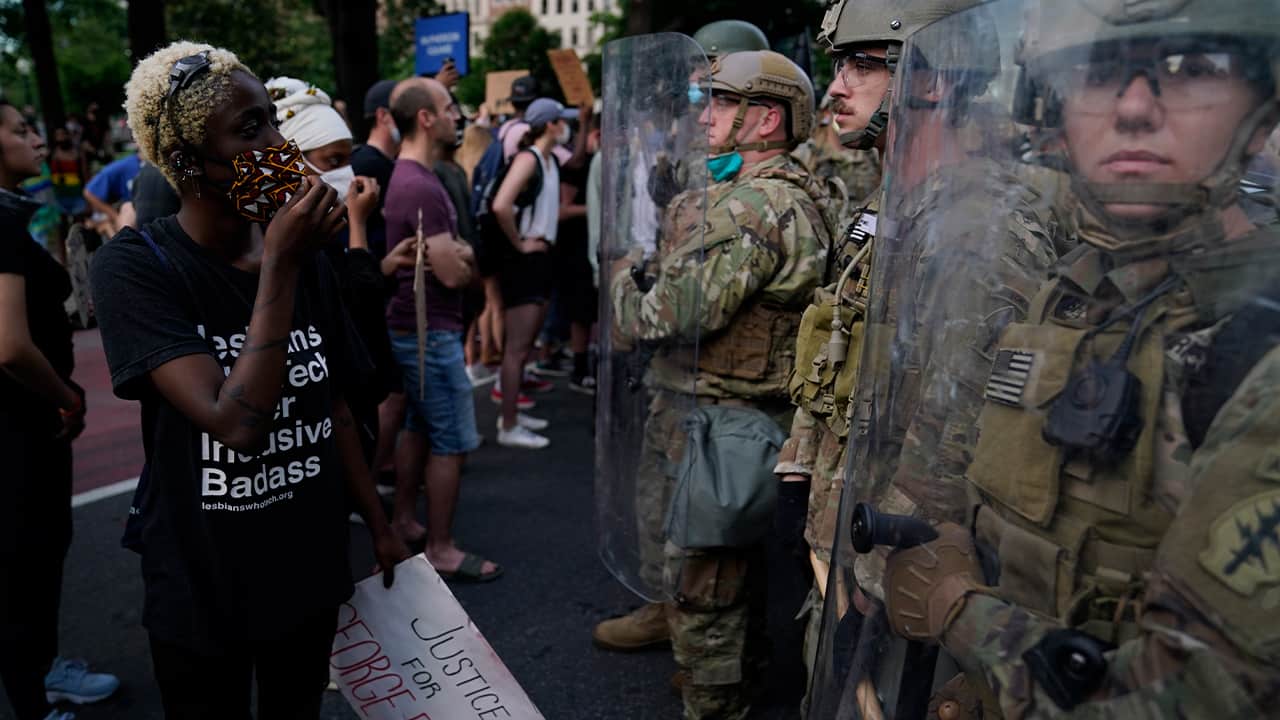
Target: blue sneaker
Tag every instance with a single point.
(71, 680)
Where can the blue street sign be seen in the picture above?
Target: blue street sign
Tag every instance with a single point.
(440, 37)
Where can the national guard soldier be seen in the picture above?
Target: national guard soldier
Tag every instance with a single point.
(858, 171)
(731, 271)
(729, 36)
(866, 44)
(1121, 555)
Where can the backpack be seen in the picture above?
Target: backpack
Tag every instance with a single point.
(493, 242)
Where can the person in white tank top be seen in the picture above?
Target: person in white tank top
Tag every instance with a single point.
(541, 219)
(527, 271)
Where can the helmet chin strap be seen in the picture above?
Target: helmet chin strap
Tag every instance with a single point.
(1217, 191)
(1184, 201)
(733, 143)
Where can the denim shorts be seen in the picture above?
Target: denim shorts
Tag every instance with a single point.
(447, 412)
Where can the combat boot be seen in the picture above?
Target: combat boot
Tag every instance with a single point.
(644, 628)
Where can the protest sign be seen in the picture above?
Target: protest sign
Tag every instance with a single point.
(440, 37)
(411, 653)
(497, 90)
(572, 78)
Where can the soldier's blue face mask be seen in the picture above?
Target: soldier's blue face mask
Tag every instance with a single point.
(724, 167)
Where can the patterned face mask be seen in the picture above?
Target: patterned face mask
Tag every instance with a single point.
(266, 179)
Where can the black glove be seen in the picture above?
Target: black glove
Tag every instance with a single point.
(789, 518)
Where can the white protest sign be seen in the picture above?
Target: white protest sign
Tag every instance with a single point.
(411, 653)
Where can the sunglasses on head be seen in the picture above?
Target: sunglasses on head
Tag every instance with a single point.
(181, 76)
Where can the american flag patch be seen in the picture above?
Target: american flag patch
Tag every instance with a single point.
(1009, 376)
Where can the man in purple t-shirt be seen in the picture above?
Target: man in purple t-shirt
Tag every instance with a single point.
(427, 117)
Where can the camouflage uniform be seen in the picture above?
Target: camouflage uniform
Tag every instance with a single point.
(763, 249)
(931, 426)
(857, 170)
(1173, 552)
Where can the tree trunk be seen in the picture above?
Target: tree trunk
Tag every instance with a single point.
(146, 27)
(353, 28)
(639, 17)
(40, 40)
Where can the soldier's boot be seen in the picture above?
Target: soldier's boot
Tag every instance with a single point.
(642, 629)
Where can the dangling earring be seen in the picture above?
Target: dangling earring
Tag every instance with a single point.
(190, 174)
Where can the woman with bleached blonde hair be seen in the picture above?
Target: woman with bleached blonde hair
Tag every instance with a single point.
(226, 324)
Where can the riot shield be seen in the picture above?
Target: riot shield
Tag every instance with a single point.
(653, 198)
(1070, 329)
(966, 236)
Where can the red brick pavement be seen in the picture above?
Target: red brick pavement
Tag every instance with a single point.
(110, 449)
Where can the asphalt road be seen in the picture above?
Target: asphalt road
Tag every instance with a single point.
(531, 511)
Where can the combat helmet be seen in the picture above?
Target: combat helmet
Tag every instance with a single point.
(729, 36)
(1062, 33)
(770, 75)
(851, 23)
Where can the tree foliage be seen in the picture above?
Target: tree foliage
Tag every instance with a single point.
(272, 37)
(396, 50)
(90, 44)
(517, 41)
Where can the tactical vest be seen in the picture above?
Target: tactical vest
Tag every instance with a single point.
(829, 344)
(755, 347)
(1075, 537)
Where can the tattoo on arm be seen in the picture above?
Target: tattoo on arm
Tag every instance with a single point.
(256, 415)
(263, 303)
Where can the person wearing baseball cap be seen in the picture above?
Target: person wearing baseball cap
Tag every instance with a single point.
(376, 157)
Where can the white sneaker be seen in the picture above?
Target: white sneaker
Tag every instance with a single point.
(527, 421)
(521, 437)
(481, 375)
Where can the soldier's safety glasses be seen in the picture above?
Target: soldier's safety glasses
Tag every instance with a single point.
(1180, 77)
(856, 69)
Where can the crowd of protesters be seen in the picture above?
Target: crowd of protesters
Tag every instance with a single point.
(195, 241)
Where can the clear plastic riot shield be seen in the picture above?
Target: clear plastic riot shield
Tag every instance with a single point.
(966, 236)
(1071, 331)
(653, 198)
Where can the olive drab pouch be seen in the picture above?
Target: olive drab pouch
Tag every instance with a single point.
(725, 488)
(1032, 366)
(827, 360)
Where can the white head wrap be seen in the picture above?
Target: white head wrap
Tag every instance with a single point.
(306, 114)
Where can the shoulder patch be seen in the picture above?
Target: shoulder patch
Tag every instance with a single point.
(1244, 545)
(1009, 376)
(1269, 466)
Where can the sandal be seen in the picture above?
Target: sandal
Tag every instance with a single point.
(471, 570)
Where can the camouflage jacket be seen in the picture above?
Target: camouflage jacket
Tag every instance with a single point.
(1195, 506)
(1209, 644)
(754, 247)
(857, 170)
(972, 245)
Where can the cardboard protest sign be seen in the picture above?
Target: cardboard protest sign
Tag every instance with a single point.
(411, 653)
(573, 79)
(420, 308)
(497, 90)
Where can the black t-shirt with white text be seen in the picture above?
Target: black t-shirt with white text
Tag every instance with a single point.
(233, 546)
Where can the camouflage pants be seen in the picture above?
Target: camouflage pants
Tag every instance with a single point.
(717, 628)
(660, 455)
